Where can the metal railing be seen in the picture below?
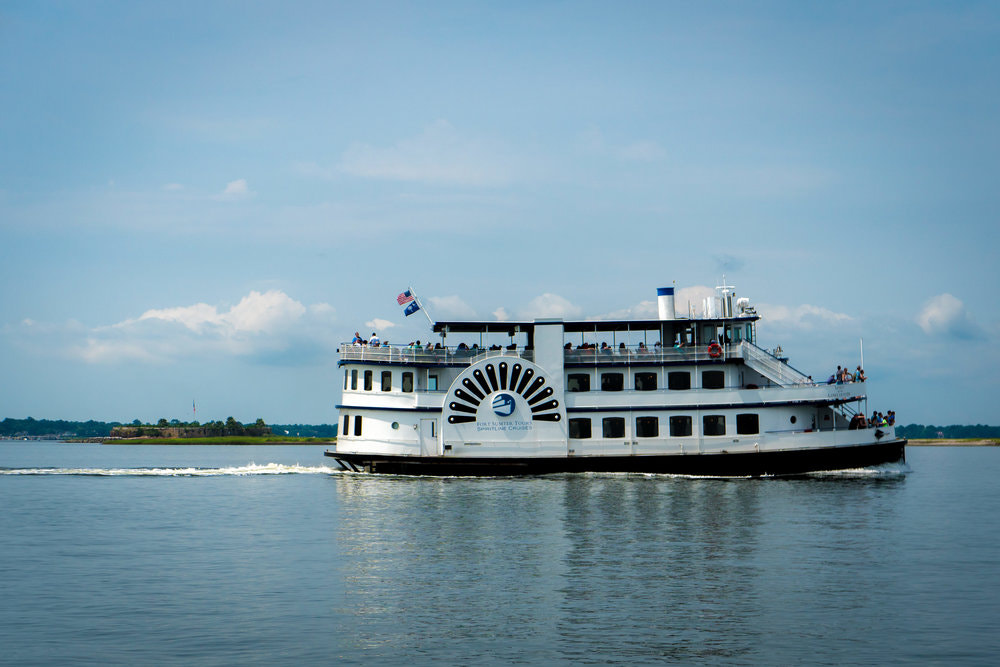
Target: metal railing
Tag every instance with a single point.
(425, 355)
(655, 354)
(771, 367)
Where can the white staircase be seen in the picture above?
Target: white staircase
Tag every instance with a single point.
(768, 365)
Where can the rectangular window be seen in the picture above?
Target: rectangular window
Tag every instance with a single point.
(614, 427)
(407, 382)
(747, 424)
(612, 382)
(346, 374)
(714, 425)
(645, 381)
(347, 423)
(713, 379)
(647, 427)
(579, 428)
(680, 426)
(578, 382)
(357, 425)
(679, 380)
(354, 379)
(432, 383)
(368, 380)
(386, 380)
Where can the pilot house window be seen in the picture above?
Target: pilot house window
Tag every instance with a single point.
(368, 380)
(407, 382)
(386, 380)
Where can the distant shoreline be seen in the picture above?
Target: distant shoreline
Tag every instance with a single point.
(946, 442)
(235, 440)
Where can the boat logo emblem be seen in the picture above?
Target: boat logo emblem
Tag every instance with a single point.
(503, 405)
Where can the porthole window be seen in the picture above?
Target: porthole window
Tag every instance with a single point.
(792, 419)
(395, 426)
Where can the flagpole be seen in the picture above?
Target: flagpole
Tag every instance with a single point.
(421, 306)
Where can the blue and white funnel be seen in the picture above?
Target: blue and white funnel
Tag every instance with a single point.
(665, 303)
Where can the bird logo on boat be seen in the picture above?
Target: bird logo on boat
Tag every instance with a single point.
(503, 405)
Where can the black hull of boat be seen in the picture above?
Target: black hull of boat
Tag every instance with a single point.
(752, 464)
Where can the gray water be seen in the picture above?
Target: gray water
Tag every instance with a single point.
(265, 555)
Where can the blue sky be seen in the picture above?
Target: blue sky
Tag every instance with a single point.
(200, 200)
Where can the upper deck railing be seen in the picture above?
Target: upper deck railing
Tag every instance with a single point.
(590, 355)
(424, 355)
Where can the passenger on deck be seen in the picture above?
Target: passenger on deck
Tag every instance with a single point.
(357, 339)
(859, 376)
(374, 341)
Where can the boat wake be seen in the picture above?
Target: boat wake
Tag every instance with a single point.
(249, 470)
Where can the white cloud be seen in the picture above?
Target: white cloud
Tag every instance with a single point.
(267, 326)
(945, 315)
(438, 155)
(237, 189)
(804, 317)
(550, 305)
(378, 324)
(644, 310)
(501, 314)
(450, 307)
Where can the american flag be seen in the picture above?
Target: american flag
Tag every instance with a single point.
(405, 297)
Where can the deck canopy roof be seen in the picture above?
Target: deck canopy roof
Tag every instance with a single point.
(512, 327)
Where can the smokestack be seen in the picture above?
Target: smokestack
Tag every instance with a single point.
(665, 303)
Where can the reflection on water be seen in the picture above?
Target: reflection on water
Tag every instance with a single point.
(607, 567)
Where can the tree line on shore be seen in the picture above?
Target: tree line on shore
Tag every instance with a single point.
(29, 427)
(12, 428)
(953, 432)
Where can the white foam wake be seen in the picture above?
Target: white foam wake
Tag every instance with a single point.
(233, 471)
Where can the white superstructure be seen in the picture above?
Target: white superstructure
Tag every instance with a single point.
(674, 394)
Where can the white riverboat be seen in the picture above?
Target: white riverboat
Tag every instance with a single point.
(681, 395)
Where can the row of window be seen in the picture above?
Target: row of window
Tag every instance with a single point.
(368, 380)
(575, 382)
(645, 427)
(649, 427)
(676, 380)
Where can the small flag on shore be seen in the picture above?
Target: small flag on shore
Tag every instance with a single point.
(412, 308)
(404, 297)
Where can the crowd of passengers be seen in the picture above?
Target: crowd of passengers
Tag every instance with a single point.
(844, 375)
(877, 419)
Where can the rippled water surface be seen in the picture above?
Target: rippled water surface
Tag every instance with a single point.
(264, 555)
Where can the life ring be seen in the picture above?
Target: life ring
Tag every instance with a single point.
(715, 350)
